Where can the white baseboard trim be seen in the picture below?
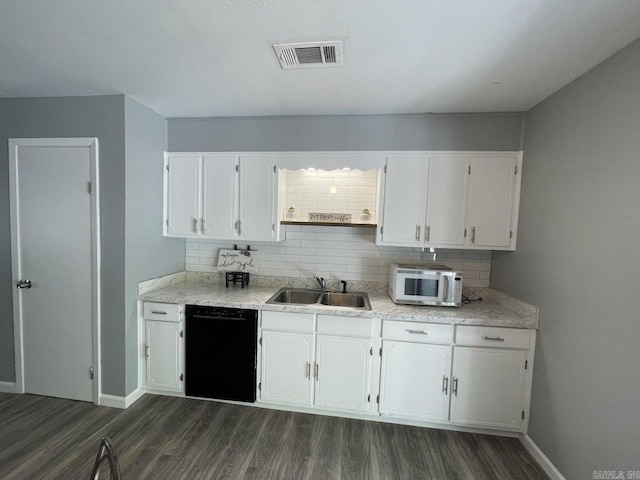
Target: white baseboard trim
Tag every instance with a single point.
(120, 402)
(539, 456)
(8, 387)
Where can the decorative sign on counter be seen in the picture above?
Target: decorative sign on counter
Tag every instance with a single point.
(238, 260)
(330, 217)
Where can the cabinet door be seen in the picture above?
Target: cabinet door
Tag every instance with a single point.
(164, 355)
(491, 200)
(182, 196)
(257, 197)
(488, 387)
(447, 199)
(219, 196)
(414, 380)
(405, 193)
(286, 367)
(342, 372)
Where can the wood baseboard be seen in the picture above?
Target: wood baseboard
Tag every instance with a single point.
(539, 456)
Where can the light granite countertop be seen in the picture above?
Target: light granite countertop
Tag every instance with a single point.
(496, 309)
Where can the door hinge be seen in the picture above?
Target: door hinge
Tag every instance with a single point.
(465, 233)
(274, 169)
(260, 341)
(469, 170)
(385, 169)
(516, 172)
(523, 414)
(371, 351)
(260, 386)
(167, 222)
(510, 233)
(89, 188)
(182, 377)
(381, 230)
(380, 351)
(369, 398)
(526, 364)
(91, 373)
(378, 399)
(167, 167)
(273, 227)
(181, 333)
(237, 168)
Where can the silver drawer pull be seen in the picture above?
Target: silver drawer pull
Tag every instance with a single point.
(494, 339)
(418, 332)
(158, 312)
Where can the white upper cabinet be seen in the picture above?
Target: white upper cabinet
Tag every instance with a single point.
(451, 200)
(182, 188)
(216, 195)
(257, 209)
(491, 195)
(405, 191)
(219, 193)
(447, 199)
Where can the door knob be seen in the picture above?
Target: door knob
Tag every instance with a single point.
(24, 284)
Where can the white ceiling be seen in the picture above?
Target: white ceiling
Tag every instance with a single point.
(195, 58)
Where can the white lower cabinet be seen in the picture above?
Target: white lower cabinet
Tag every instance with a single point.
(488, 387)
(342, 372)
(414, 380)
(163, 347)
(480, 378)
(286, 367)
(321, 364)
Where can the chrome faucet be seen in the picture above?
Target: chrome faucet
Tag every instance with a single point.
(321, 281)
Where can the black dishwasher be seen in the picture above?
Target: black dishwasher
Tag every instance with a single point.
(220, 353)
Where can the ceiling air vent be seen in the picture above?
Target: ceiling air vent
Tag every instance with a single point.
(309, 54)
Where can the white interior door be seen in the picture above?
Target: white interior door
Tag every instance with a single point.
(52, 247)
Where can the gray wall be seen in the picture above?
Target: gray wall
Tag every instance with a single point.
(578, 260)
(148, 254)
(100, 117)
(501, 131)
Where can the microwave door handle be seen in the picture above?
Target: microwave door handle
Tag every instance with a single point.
(446, 288)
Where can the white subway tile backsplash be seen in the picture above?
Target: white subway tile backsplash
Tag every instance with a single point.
(338, 253)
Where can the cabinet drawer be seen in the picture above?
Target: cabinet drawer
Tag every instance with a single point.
(495, 337)
(289, 321)
(169, 312)
(345, 326)
(417, 332)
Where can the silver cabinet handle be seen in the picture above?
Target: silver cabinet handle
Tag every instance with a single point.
(473, 235)
(454, 387)
(494, 339)
(427, 232)
(418, 232)
(195, 225)
(316, 372)
(417, 332)
(24, 284)
(445, 384)
(308, 370)
(158, 312)
(146, 351)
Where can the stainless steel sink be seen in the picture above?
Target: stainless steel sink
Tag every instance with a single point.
(353, 300)
(301, 296)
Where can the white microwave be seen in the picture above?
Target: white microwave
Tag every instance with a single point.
(425, 285)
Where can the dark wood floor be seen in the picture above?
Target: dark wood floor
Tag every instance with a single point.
(175, 438)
